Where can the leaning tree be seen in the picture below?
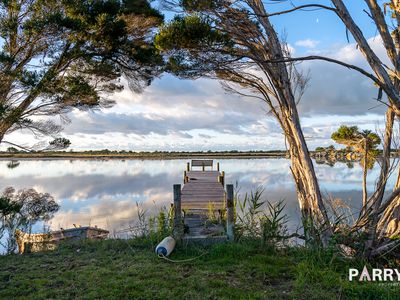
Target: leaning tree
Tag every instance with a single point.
(59, 55)
(235, 42)
(380, 218)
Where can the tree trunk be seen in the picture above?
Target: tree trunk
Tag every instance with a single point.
(3, 130)
(376, 198)
(389, 224)
(365, 171)
(376, 224)
(315, 218)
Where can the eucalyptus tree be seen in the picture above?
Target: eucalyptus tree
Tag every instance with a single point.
(380, 218)
(365, 142)
(235, 42)
(57, 55)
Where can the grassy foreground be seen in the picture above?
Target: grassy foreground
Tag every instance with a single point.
(118, 269)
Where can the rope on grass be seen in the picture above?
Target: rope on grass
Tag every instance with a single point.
(182, 260)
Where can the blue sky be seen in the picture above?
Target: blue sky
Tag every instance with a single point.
(322, 25)
(175, 114)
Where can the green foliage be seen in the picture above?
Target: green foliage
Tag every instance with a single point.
(260, 219)
(164, 223)
(351, 136)
(8, 207)
(58, 144)
(191, 32)
(250, 210)
(211, 213)
(345, 133)
(185, 38)
(312, 234)
(198, 5)
(12, 150)
(364, 141)
(80, 50)
(273, 223)
(152, 223)
(143, 225)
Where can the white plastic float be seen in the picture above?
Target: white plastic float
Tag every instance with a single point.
(166, 246)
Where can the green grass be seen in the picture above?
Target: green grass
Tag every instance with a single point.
(117, 269)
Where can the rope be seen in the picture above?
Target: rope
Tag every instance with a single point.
(181, 261)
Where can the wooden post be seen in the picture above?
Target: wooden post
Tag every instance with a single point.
(178, 226)
(188, 166)
(230, 219)
(223, 177)
(218, 166)
(204, 167)
(184, 177)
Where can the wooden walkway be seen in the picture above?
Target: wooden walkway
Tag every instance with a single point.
(203, 191)
(203, 202)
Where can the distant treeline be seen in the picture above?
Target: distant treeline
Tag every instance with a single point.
(125, 153)
(106, 153)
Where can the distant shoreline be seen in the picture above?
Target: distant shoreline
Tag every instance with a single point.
(142, 155)
(102, 155)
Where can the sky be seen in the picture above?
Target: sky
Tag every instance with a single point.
(174, 114)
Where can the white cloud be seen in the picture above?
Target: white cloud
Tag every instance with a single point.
(307, 43)
(174, 114)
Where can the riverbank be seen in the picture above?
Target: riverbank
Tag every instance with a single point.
(328, 157)
(142, 155)
(129, 269)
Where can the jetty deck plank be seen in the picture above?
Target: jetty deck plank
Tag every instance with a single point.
(202, 189)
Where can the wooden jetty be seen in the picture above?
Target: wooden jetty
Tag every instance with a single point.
(203, 209)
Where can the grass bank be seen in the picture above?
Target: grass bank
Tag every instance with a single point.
(117, 269)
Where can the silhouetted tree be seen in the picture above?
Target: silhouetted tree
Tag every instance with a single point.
(58, 143)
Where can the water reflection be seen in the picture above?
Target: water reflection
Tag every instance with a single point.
(105, 193)
(13, 164)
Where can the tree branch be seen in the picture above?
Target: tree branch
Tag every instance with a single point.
(380, 22)
(301, 7)
(317, 57)
(373, 60)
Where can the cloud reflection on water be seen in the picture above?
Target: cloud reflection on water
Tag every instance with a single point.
(105, 193)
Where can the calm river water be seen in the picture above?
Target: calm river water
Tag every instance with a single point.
(105, 193)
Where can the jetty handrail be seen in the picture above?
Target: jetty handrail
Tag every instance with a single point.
(202, 163)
